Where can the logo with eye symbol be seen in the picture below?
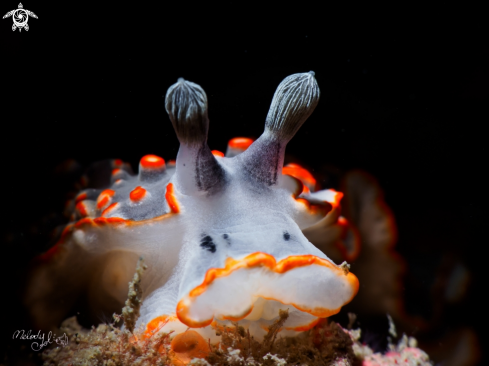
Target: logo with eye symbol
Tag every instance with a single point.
(20, 17)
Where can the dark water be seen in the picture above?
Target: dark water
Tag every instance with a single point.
(405, 100)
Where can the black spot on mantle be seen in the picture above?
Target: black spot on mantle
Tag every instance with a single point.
(206, 243)
(286, 236)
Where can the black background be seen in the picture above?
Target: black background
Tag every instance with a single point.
(404, 96)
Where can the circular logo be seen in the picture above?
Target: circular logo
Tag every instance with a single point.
(20, 17)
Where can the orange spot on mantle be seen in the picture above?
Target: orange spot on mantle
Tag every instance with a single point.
(171, 199)
(137, 193)
(152, 162)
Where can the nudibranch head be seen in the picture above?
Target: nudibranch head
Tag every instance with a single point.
(222, 235)
(244, 256)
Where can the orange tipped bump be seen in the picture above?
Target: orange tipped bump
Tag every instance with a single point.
(241, 143)
(157, 323)
(51, 252)
(152, 162)
(172, 162)
(56, 247)
(104, 198)
(115, 171)
(336, 199)
(110, 208)
(349, 254)
(82, 222)
(315, 209)
(81, 197)
(65, 232)
(171, 199)
(82, 209)
(100, 220)
(137, 193)
(189, 345)
(102, 202)
(118, 162)
(296, 171)
(217, 153)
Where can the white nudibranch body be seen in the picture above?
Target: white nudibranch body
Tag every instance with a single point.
(223, 237)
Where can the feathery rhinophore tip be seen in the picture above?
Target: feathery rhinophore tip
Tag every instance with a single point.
(293, 102)
(186, 104)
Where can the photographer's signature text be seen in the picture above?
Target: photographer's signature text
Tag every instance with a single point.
(41, 340)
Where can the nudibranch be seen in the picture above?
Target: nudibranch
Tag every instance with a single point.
(224, 237)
